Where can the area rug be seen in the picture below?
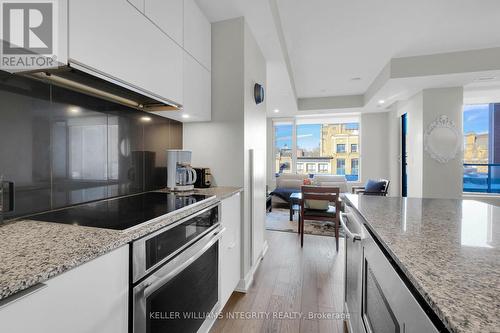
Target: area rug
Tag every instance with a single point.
(278, 220)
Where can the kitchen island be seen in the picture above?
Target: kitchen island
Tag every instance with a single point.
(446, 251)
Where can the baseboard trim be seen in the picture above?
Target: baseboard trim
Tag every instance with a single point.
(244, 284)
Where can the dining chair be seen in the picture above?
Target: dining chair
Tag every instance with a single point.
(330, 197)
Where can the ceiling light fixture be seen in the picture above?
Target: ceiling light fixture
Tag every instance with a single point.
(185, 116)
(381, 101)
(486, 78)
(74, 110)
(146, 119)
(276, 110)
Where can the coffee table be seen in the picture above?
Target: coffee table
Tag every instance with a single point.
(295, 199)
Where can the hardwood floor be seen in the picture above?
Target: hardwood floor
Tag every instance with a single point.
(289, 281)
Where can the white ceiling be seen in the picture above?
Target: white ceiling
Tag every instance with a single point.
(329, 42)
(482, 92)
(332, 41)
(258, 16)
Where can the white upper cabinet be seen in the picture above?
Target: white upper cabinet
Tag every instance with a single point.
(168, 15)
(112, 37)
(197, 34)
(197, 91)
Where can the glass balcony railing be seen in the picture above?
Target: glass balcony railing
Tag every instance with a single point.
(484, 178)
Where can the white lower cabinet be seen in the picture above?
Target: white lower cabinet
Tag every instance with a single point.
(92, 298)
(230, 246)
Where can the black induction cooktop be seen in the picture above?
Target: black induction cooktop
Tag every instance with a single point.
(122, 213)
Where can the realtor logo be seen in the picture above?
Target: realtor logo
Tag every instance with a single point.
(29, 34)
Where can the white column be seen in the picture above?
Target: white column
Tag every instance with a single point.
(442, 180)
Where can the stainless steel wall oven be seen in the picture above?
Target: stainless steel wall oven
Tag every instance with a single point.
(175, 275)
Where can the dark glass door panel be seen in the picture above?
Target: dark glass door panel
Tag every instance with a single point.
(377, 312)
(166, 243)
(404, 155)
(181, 304)
(62, 147)
(25, 142)
(156, 136)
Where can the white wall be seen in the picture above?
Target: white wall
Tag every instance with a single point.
(443, 180)
(427, 177)
(374, 153)
(238, 125)
(271, 179)
(219, 144)
(255, 139)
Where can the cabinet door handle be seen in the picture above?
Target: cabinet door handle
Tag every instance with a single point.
(354, 236)
(22, 294)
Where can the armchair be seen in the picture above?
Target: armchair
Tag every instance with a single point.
(373, 187)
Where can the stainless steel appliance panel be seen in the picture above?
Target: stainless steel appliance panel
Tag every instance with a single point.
(187, 285)
(152, 251)
(388, 305)
(353, 267)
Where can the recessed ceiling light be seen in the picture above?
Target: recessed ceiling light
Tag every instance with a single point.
(185, 116)
(486, 78)
(381, 101)
(357, 78)
(146, 119)
(276, 110)
(74, 110)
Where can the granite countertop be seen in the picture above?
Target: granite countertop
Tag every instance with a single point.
(32, 252)
(220, 192)
(448, 249)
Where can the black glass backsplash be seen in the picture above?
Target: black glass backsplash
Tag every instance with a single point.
(63, 148)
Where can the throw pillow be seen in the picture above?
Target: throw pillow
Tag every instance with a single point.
(374, 186)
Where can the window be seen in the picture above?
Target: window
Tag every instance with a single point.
(355, 166)
(341, 166)
(481, 148)
(283, 147)
(310, 145)
(323, 168)
(311, 167)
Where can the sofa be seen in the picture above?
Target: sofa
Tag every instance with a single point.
(288, 183)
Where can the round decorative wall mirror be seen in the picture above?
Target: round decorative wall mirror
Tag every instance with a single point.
(442, 140)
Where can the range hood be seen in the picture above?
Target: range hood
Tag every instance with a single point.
(92, 83)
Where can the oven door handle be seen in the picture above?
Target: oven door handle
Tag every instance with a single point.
(160, 278)
(354, 236)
